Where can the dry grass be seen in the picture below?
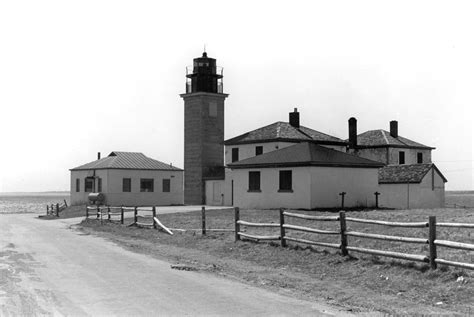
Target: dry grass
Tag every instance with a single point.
(359, 282)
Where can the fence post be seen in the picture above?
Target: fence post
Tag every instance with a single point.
(87, 212)
(135, 215)
(121, 214)
(65, 202)
(57, 210)
(432, 238)
(282, 229)
(203, 220)
(342, 199)
(108, 213)
(154, 216)
(98, 212)
(237, 226)
(377, 199)
(47, 209)
(342, 221)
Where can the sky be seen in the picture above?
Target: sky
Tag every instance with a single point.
(81, 77)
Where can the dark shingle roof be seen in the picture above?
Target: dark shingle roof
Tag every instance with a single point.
(283, 131)
(305, 154)
(378, 138)
(127, 160)
(412, 173)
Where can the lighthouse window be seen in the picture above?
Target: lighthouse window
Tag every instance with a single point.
(213, 109)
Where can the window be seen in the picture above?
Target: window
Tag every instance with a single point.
(213, 109)
(286, 181)
(78, 185)
(99, 185)
(419, 158)
(258, 150)
(235, 154)
(127, 185)
(166, 185)
(254, 181)
(401, 157)
(146, 185)
(89, 185)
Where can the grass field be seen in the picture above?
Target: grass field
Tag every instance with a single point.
(359, 282)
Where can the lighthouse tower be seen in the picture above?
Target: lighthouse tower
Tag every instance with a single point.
(203, 127)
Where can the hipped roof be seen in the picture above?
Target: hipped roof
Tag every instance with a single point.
(305, 154)
(127, 160)
(283, 131)
(382, 138)
(402, 174)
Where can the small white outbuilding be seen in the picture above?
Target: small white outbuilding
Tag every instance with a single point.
(128, 179)
(411, 186)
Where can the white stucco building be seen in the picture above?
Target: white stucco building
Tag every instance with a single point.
(128, 179)
(304, 175)
(411, 186)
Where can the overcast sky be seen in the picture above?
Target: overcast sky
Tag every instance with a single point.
(81, 77)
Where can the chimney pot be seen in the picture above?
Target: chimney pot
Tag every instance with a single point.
(352, 133)
(98, 155)
(394, 128)
(295, 118)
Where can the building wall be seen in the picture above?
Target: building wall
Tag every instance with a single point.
(215, 192)
(112, 181)
(81, 197)
(248, 150)
(412, 196)
(203, 141)
(375, 154)
(359, 184)
(410, 155)
(269, 197)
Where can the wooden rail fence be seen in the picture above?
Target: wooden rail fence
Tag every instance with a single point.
(109, 211)
(55, 209)
(343, 233)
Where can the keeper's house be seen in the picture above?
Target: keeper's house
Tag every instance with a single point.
(305, 175)
(128, 179)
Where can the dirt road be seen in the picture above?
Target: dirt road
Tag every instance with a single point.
(47, 268)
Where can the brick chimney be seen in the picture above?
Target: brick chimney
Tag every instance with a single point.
(352, 133)
(295, 118)
(394, 128)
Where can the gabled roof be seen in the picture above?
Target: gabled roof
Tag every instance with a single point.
(305, 154)
(382, 138)
(127, 160)
(412, 173)
(283, 131)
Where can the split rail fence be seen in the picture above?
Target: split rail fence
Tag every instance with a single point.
(55, 209)
(139, 216)
(285, 235)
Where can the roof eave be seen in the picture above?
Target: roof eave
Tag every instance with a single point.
(292, 140)
(302, 164)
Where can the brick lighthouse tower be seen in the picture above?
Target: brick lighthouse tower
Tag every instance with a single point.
(203, 128)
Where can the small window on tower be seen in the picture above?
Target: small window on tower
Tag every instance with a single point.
(419, 157)
(213, 109)
(258, 150)
(235, 154)
(401, 157)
